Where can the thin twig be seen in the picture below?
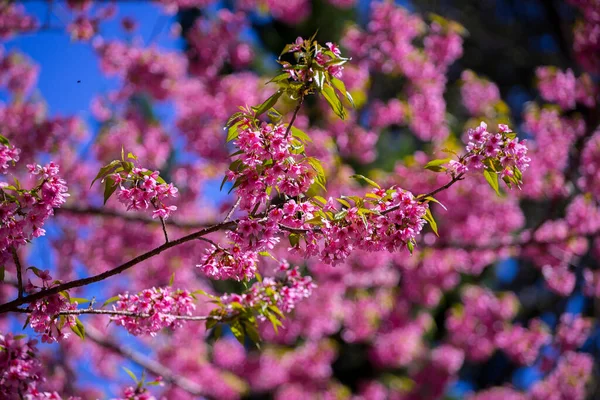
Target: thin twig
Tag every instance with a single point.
(289, 128)
(128, 314)
(152, 366)
(235, 206)
(133, 217)
(6, 307)
(164, 229)
(19, 273)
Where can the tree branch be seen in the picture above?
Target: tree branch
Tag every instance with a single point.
(106, 213)
(145, 362)
(10, 306)
(289, 128)
(19, 273)
(127, 314)
(235, 206)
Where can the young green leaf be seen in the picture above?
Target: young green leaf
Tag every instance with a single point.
(362, 178)
(492, 179)
(109, 188)
(111, 300)
(267, 104)
(131, 374)
(429, 218)
(104, 171)
(78, 329)
(298, 134)
(334, 102)
(437, 165)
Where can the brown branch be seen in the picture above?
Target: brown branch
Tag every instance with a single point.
(10, 306)
(455, 179)
(152, 366)
(19, 273)
(164, 229)
(106, 213)
(289, 128)
(127, 314)
(235, 206)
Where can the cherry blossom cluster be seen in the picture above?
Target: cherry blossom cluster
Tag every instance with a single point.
(389, 50)
(522, 345)
(13, 20)
(590, 166)
(251, 237)
(568, 380)
(17, 73)
(135, 393)
(158, 308)
(46, 320)
(216, 42)
(20, 369)
(392, 221)
(497, 153)
(146, 70)
(587, 35)
(329, 58)
(479, 95)
(45, 314)
(141, 188)
(24, 212)
(564, 89)
(231, 263)
(284, 293)
(9, 155)
(268, 161)
(557, 133)
(475, 325)
(572, 332)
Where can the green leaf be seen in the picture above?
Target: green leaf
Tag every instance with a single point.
(109, 188)
(4, 141)
(79, 300)
(252, 332)
(131, 156)
(429, 218)
(339, 85)
(267, 104)
(78, 329)
(298, 134)
(274, 321)
(492, 179)
(362, 178)
(320, 78)
(344, 203)
(437, 165)
(316, 164)
(210, 323)
(320, 199)
(294, 239)
(281, 77)
(131, 374)
(431, 198)
(233, 132)
(172, 279)
(410, 246)
(217, 331)
(238, 331)
(111, 300)
(204, 293)
(104, 171)
(334, 102)
(276, 310)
